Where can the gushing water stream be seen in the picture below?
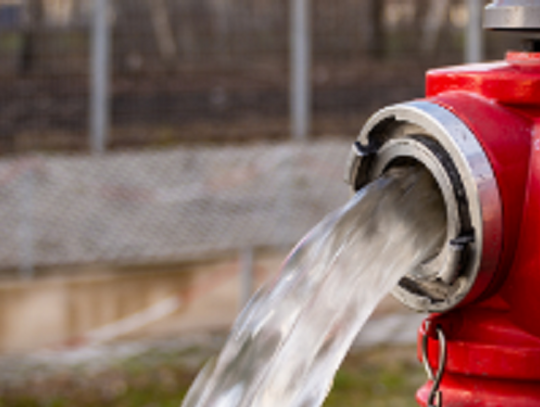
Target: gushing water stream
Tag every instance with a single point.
(288, 343)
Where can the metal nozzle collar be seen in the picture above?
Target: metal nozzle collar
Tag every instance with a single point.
(444, 145)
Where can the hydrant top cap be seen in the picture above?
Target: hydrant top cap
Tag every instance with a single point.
(520, 15)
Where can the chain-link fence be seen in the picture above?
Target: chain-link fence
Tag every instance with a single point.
(168, 205)
(181, 79)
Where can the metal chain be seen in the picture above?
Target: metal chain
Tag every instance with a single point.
(435, 395)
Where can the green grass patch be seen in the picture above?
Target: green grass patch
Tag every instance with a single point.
(373, 378)
(382, 377)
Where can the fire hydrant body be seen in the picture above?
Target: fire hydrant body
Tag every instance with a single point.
(477, 132)
(493, 340)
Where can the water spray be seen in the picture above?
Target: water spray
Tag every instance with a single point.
(477, 132)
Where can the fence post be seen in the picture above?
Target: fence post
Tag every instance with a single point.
(474, 44)
(26, 231)
(300, 66)
(246, 275)
(99, 82)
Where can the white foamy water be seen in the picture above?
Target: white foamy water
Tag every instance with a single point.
(288, 343)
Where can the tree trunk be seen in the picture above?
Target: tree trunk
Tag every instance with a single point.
(162, 29)
(420, 13)
(31, 32)
(376, 35)
(434, 24)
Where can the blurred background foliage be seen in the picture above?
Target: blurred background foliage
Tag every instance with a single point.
(215, 71)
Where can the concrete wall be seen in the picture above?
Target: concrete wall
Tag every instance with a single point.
(65, 307)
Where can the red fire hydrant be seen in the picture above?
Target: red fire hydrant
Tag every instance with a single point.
(478, 133)
(493, 342)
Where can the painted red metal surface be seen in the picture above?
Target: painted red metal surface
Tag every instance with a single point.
(493, 343)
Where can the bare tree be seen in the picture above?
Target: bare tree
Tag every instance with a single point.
(374, 27)
(434, 24)
(163, 31)
(31, 32)
(420, 12)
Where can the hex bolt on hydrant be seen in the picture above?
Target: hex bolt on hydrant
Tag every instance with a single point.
(478, 133)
